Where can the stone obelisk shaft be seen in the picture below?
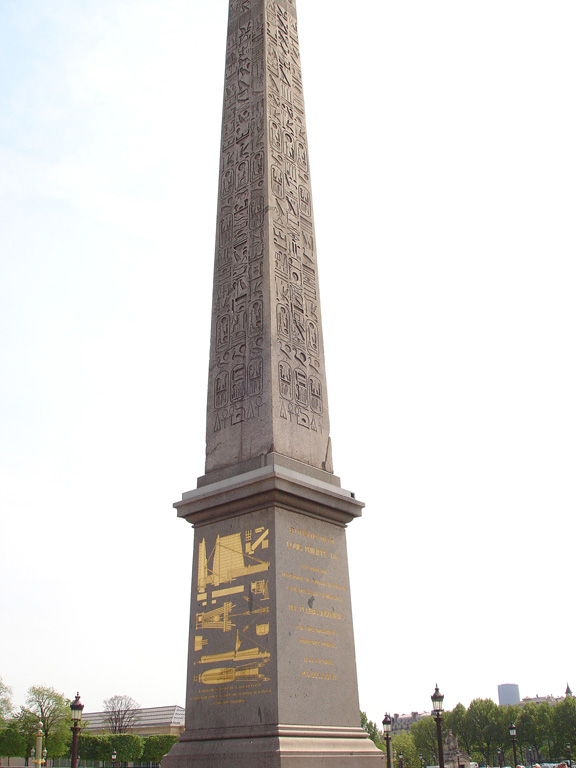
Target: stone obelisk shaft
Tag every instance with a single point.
(267, 383)
(271, 665)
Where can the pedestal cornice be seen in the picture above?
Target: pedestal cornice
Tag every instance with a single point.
(289, 485)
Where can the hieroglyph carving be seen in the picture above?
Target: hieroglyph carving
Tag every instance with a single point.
(265, 212)
(238, 340)
(300, 369)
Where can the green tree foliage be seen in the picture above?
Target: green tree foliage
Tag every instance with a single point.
(425, 740)
(458, 722)
(12, 741)
(97, 747)
(485, 727)
(5, 702)
(534, 724)
(564, 725)
(52, 709)
(371, 729)
(404, 742)
(155, 747)
(128, 746)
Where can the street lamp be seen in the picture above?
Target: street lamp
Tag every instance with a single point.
(422, 763)
(113, 756)
(400, 760)
(500, 757)
(569, 755)
(387, 727)
(437, 699)
(36, 753)
(44, 754)
(512, 731)
(76, 708)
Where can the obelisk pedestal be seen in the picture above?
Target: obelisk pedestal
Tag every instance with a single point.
(271, 666)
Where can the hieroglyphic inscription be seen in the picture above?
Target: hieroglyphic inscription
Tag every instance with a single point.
(238, 310)
(265, 225)
(296, 310)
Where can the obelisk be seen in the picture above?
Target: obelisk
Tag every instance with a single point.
(271, 666)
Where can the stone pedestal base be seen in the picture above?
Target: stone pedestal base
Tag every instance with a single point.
(271, 668)
(291, 747)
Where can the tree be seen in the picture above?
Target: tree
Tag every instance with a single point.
(12, 741)
(121, 713)
(52, 709)
(97, 748)
(424, 734)
(156, 746)
(457, 722)
(128, 746)
(403, 742)
(371, 729)
(564, 725)
(534, 723)
(483, 722)
(5, 702)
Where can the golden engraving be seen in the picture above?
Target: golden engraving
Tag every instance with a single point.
(199, 642)
(260, 588)
(228, 591)
(310, 535)
(219, 618)
(261, 540)
(318, 675)
(262, 629)
(236, 654)
(228, 561)
(221, 675)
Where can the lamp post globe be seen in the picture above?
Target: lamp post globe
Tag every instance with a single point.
(386, 728)
(437, 701)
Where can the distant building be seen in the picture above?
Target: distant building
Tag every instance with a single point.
(403, 722)
(548, 699)
(149, 721)
(508, 695)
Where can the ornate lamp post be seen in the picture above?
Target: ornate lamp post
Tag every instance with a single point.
(437, 700)
(512, 731)
(113, 756)
(400, 760)
(500, 757)
(387, 727)
(76, 708)
(37, 751)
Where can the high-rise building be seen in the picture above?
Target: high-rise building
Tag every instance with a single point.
(508, 694)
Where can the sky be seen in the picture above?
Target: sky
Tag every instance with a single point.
(441, 141)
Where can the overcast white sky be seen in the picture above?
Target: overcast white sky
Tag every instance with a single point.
(441, 138)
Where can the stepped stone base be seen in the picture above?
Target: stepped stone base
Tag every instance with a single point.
(341, 748)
